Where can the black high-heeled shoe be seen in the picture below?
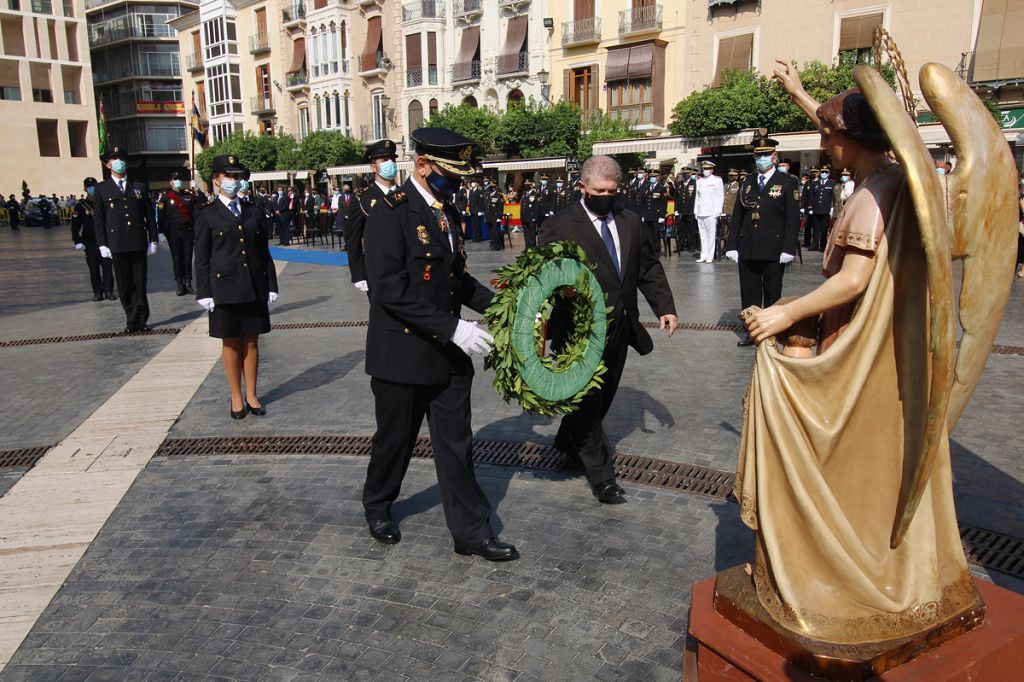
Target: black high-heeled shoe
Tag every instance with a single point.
(258, 411)
(241, 413)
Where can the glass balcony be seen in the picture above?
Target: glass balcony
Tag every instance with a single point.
(644, 19)
(581, 32)
(194, 62)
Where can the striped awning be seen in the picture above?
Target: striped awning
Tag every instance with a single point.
(268, 175)
(640, 145)
(302, 175)
(406, 166)
(526, 164)
(355, 169)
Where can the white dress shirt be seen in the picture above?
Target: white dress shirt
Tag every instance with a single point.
(596, 222)
(767, 175)
(431, 200)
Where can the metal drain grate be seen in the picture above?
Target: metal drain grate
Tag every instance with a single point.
(993, 550)
(86, 337)
(22, 457)
(631, 468)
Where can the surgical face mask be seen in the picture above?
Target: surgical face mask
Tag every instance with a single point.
(442, 187)
(388, 170)
(177, 184)
(600, 205)
(543, 183)
(732, 178)
(784, 169)
(844, 178)
(280, 192)
(641, 176)
(243, 185)
(653, 180)
(118, 166)
(824, 176)
(940, 170)
(229, 187)
(706, 172)
(763, 163)
(90, 191)
(559, 185)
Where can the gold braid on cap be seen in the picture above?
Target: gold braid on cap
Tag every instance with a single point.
(469, 169)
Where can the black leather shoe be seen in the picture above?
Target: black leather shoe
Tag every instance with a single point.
(744, 343)
(143, 328)
(241, 413)
(608, 491)
(258, 411)
(491, 549)
(189, 289)
(97, 297)
(111, 296)
(180, 289)
(385, 531)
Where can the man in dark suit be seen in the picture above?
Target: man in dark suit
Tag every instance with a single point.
(285, 204)
(84, 235)
(651, 207)
(494, 213)
(529, 214)
(614, 241)
(477, 207)
(126, 232)
(381, 155)
(764, 230)
(175, 217)
(418, 347)
(820, 207)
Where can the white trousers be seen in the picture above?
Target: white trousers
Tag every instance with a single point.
(707, 226)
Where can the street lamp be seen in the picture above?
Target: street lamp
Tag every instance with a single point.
(543, 76)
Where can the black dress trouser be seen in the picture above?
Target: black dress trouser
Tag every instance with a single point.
(816, 230)
(760, 282)
(181, 246)
(400, 409)
(130, 270)
(581, 432)
(529, 234)
(101, 272)
(652, 233)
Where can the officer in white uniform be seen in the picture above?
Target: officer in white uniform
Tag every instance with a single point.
(707, 209)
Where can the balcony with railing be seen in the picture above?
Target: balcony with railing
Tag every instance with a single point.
(373, 64)
(258, 43)
(194, 62)
(581, 32)
(423, 9)
(513, 65)
(298, 80)
(644, 19)
(417, 76)
(89, 4)
(129, 69)
(514, 5)
(294, 15)
(466, 72)
(261, 106)
(102, 34)
(468, 9)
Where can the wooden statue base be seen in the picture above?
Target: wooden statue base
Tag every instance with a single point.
(749, 645)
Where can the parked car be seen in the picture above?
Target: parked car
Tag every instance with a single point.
(35, 210)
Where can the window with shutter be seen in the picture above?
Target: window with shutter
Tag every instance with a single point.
(856, 36)
(735, 53)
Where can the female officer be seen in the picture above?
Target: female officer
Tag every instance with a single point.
(235, 280)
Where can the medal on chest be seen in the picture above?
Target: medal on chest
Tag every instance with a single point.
(775, 192)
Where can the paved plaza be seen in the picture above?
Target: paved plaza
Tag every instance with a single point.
(259, 567)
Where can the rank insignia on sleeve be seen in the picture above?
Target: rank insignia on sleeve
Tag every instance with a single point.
(421, 234)
(137, 194)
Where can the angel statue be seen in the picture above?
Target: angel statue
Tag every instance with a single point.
(844, 467)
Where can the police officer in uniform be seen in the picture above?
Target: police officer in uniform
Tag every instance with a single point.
(651, 206)
(382, 155)
(765, 229)
(175, 215)
(418, 347)
(732, 191)
(13, 212)
(529, 214)
(686, 201)
(805, 206)
(494, 212)
(820, 206)
(126, 232)
(101, 275)
(477, 207)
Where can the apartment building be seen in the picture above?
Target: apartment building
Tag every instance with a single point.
(137, 76)
(622, 56)
(46, 98)
(476, 52)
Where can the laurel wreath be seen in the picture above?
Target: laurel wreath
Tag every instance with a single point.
(526, 294)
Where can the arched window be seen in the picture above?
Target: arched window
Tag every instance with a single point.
(515, 97)
(433, 106)
(334, 48)
(415, 115)
(470, 101)
(337, 110)
(319, 113)
(327, 113)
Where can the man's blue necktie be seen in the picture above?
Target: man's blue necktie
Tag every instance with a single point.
(233, 205)
(609, 243)
(760, 183)
(120, 185)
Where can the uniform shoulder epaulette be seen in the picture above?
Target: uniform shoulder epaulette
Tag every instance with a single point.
(205, 206)
(394, 199)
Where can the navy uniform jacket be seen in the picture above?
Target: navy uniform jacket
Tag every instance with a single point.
(355, 223)
(171, 219)
(418, 285)
(686, 197)
(821, 197)
(477, 203)
(766, 224)
(529, 207)
(233, 262)
(82, 231)
(123, 222)
(495, 205)
(653, 202)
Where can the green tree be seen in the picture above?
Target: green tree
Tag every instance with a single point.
(529, 130)
(326, 148)
(478, 124)
(600, 127)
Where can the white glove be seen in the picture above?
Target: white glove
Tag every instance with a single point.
(162, 237)
(785, 258)
(206, 303)
(79, 246)
(734, 256)
(661, 220)
(362, 286)
(271, 297)
(830, 212)
(105, 252)
(801, 210)
(471, 339)
(151, 249)
(481, 213)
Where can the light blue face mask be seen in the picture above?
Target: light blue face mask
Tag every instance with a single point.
(940, 170)
(763, 163)
(177, 184)
(824, 176)
(90, 191)
(118, 166)
(229, 187)
(388, 170)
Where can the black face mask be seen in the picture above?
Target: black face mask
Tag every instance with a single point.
(441, 186)
(600, 205)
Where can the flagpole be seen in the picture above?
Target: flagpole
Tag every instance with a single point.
(192, 142)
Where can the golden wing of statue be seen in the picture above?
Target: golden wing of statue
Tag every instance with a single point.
(981, 196)
(930, 208)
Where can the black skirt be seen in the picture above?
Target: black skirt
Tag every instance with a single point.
(239, 319)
